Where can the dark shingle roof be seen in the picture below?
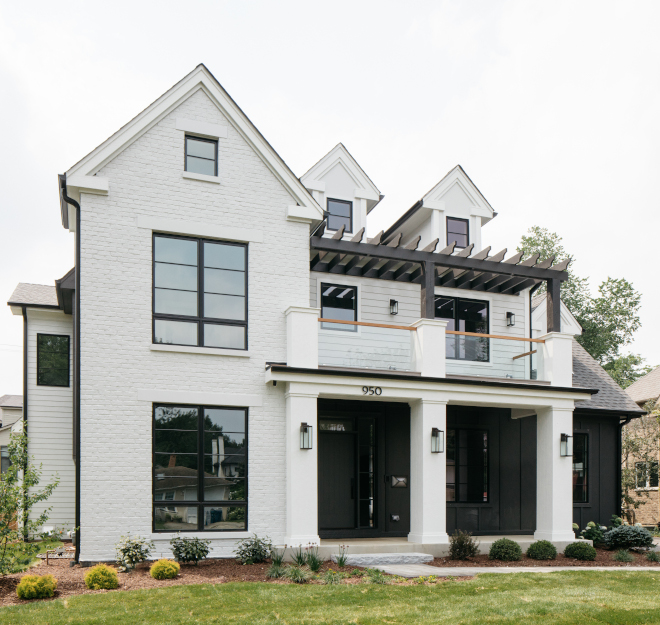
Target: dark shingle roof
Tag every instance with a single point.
(11, 401)
(34, 294)
(588, 373)
(645, 388)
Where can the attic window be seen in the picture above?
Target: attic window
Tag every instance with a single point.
(340, 213)
(457, 231)
(202, 156)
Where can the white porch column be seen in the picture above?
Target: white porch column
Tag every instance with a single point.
(302, 337)
(557, 359)
(428, 509)
(554, 476)
(301, 471)
(429, 347)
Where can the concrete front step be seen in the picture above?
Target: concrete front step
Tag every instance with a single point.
(379, 559)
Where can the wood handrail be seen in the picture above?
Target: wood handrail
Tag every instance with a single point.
(364, 323)
(523, 355)
(496, 336)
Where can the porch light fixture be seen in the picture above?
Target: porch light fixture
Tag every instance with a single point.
(394, 307)
(510, 319)
(566, 447)
(305, 436)
(437, 441)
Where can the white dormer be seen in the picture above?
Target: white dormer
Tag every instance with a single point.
(343, 189)
(453, 210)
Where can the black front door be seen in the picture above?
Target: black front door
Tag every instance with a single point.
(364, 469)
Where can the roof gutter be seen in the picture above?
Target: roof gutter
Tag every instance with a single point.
(64, 201)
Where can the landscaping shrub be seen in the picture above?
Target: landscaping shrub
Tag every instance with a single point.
(542, 550)
(275, 571)
(628, 537)
(299, 556)
(101, 577)
(580, 551)
(332, 577)
(130, 551)
(653, 556)
(277, 555)
(164, 569)
(254, 550)
(505, 549)
(297, 574)
(342, 556)
(189, 549)
(376, 576)
(615, 521)
(314, 561)
(622, 555)
(462, 546)
(594, 533)
(36, 587)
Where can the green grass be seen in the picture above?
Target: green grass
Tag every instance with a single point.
(43, 546)
(593, 597)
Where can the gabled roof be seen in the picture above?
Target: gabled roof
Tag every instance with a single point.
(11, 401)
(646, 388)
(82, 176)
(569, 323)
(37, 295)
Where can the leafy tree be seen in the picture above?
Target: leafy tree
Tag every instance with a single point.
(18, 495)
(627, 369)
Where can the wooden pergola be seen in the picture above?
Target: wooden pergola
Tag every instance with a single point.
(388, 260)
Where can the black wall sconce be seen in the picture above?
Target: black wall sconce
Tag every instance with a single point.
(566, 445)
(394, 307)
(510, 319)
(437, 441)
(305, 436)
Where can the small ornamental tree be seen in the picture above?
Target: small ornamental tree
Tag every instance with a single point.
(18, 495)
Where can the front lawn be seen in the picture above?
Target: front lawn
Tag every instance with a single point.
(566, 597)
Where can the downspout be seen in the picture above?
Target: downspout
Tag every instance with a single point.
(76, 322)
(25, 414)
(619, 490)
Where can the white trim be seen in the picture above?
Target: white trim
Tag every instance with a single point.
(167, 536)
(88, 184)
(193, 349)
(203, 177)
(366, 194)
(201, 128)
(200, 229)
(199, 397)
(304, 214)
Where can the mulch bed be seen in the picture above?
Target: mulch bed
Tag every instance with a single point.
(603, 558)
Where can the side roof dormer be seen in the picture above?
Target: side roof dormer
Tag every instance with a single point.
(456, 198)
(338, 176)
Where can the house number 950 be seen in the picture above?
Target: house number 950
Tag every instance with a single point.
(372, 390)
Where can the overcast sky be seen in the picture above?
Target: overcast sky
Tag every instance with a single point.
(551, 107)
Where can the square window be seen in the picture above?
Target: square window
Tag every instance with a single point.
(340, 213)
(202, 156)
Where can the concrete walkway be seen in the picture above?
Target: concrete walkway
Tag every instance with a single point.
(418, 570)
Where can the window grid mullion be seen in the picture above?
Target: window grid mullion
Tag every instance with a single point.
(200, 468)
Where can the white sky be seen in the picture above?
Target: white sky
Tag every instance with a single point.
(551, 107)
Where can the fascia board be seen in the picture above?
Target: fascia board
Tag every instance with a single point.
(197, 79)
(88, 184)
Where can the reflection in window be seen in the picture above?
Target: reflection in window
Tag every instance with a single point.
(52, 360)
(646, 474)
(467, 466)
(5, 462)
(464, 315)
(580, 468)
(200, 455)
(340, 213)
(339, 302)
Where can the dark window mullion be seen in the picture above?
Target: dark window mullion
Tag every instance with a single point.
(200, 469)
(200, 291)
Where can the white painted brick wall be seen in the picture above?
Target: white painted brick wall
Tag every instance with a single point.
(116, 281)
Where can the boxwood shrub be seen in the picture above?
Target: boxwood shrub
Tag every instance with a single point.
(542, 550)
(505, 549)
(628, 537)
(101, 577)
(36, 587)
(164, 569)
(580, 551)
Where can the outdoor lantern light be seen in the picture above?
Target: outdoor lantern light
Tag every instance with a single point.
(510, 319)
(566, 448)
(394, 307)
(437, 441)
(305, 436)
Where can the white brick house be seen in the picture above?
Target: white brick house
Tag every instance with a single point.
(195, 303)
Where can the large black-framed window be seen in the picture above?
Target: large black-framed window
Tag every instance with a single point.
(465, 315)
(53, 360)
(201, 156)
(580, 467)
(646, 475)
(458, 231)
(200, 290)
(339, 302)
(467, 466)
(340, 213)
(200, 465)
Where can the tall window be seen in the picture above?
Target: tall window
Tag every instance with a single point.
(467, 466)
(200, 292)
(5, 462)
(458, 232)
(202, 156)
(340, 213)
(581, 468)
(52, 360)
(339, 302)
(646, 474)
(464, 315)
(200, 469)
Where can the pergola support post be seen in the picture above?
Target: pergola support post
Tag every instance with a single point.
(428, 290)
(554, 305)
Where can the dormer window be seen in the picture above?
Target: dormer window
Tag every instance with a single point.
(201, 156)
(340, 213)
(458, 232)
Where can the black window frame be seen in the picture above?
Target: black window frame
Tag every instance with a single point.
(586, 477)
(456, 481)
(647, 474)
(348, 230)
(68, 360)
(4, 459)
(200, 504)
(342, 327)
(467, 231)
(185, 153)
(457, 336)
(199, 319)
